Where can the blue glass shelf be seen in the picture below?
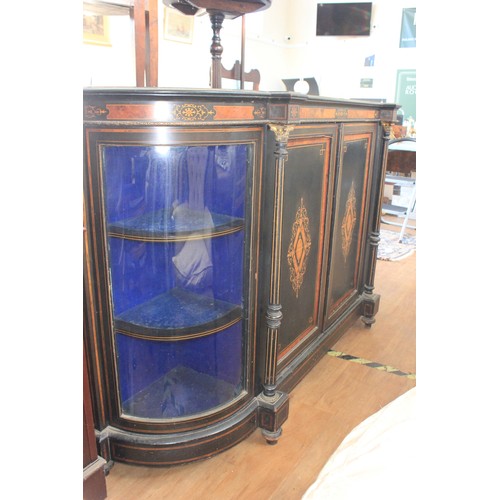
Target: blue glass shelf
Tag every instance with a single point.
(177, 315)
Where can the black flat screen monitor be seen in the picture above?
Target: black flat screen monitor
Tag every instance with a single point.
(343, 19)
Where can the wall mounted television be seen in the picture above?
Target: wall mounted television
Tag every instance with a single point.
(343, 19)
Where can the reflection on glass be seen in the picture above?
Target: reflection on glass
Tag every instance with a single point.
(193, 263)
(175, 221)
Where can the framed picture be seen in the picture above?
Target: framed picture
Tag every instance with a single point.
(96, 30)
(366, 83)
(370, 60)
(176, 26)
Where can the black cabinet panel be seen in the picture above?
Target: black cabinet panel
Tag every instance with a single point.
(304, 209)
(349, 220)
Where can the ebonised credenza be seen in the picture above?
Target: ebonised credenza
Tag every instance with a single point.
(230, 239)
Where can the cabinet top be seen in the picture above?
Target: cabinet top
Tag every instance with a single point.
(204, 106)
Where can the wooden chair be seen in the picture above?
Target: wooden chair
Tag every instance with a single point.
(145, 19)
(236, 73)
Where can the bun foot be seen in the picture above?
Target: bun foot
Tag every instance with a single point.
(271, 437)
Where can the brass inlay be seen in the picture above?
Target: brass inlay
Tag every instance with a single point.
(294, 112)
(298, 250)
(174, 338)
(348, 222)
(178, 238)
(94, 111)
(260, 112)
(192, 112)
(342, 113)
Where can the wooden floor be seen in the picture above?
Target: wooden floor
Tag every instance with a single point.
(332, 399)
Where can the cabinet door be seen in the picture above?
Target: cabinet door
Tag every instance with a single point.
(356, 156)
(174, 216)
(305, 201)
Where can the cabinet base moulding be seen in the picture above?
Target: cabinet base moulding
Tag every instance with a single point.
(178, 448)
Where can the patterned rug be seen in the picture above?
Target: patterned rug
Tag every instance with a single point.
(390, 248)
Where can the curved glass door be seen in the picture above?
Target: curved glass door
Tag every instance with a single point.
(175, 219)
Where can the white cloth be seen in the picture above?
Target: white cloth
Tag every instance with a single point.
(377, 459)
(194, 260)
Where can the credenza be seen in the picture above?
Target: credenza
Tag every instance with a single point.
(230, 239)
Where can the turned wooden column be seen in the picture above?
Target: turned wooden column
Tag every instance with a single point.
(216, 48)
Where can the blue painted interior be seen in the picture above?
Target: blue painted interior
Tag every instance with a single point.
(153, 192)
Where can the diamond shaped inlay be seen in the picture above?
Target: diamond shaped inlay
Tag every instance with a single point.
(299, 247)
(348, 222)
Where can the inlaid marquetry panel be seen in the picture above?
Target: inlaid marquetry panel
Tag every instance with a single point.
(304, 209)
(349, 210)
(298, 250)
(200, 112)
(348, 222)
(172, 112)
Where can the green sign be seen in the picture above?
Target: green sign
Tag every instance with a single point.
(406, 92)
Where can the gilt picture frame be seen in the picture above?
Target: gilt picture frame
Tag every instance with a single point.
(96, 30)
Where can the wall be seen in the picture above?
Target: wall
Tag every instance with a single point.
(338, 62)
(281, 42)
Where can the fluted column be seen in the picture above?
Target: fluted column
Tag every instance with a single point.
(273, 404)
(274, 314)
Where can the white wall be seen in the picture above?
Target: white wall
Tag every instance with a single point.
(113, 65)
(280, 42)
(337, 63)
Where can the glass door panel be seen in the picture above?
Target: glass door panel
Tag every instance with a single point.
(175, 219)
(177, 379)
